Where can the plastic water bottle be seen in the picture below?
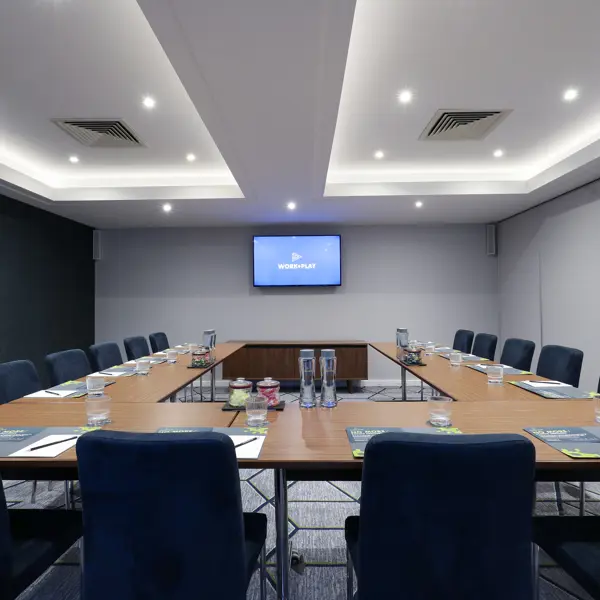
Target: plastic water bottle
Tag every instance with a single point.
(328, 367)
(401, 341)
(307, 378)
(209, 339)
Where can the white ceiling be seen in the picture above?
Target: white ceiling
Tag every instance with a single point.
(282, 100)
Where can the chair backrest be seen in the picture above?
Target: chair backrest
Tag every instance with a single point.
(17, 379)
(463, 340)
(158, 341)
(136, 347)
(105, 355)
(162, 516)
(560, 363)
(67, 365)
(434, 521)
(518, 353)
(485, 345)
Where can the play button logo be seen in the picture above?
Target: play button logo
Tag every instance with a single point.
(295, 257)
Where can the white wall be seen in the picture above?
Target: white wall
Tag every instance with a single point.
(548, 276)
(433, 280)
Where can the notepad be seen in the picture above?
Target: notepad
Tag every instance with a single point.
(56, 394)
(545, 384)
(50, 451)
(251, 450)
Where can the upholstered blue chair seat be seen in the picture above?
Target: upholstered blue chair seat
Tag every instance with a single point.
(38, 539)
(255, 534)
(574, 544)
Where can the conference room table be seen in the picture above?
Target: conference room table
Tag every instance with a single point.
(310, 444)
(163, 381)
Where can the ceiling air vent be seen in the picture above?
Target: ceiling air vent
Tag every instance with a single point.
(456, 125)
(100, 133)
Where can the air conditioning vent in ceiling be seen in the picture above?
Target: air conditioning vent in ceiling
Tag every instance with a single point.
(456, 125)
(100, 133)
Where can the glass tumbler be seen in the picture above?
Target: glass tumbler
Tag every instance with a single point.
(142, 366)
(495, 374)
(440, 411)
(97, 409)
(597, 409)
(172, 356)
(455, 359)
(429, 348)
(94, 385)
(256, 410)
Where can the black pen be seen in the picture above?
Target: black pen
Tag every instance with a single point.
(53, 443)
(51, 392)
(246, 442)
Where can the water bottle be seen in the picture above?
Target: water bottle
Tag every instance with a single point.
(328, 366)
(401, 341)
(209, 339)
(307, 378)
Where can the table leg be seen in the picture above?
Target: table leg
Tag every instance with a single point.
(403, 376)
(213, 386)
(281, 526)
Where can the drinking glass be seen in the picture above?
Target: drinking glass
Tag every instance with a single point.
(429, 348)
(256, 410)
(597, 409)
(455, 359)
(95, 386)
(97, 409)
(172, 356)
(440, 411)
(142, 366)
(495, 374)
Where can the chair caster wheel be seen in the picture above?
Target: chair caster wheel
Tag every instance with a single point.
(297, 563)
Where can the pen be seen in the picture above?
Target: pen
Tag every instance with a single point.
(53, 443)
(246, 442)
(51, 392)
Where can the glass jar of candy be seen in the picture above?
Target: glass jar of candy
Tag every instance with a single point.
(269, 389)
(201, 358)
(239, 392)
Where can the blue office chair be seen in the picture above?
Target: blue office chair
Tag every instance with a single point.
(67, 366)
(518, 353)
(162, 518)
(105, 355)
(560, 363)
(410, 541)
(463, 340)
(158, 341)
(17, 379)
(30, 542)
(136, 347)
(574, 544)
(485, 345)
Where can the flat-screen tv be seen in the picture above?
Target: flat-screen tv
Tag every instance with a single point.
(297, 260)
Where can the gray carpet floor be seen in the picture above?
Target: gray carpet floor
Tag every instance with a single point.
(317, 511)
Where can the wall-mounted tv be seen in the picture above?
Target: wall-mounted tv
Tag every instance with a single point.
(297, 260)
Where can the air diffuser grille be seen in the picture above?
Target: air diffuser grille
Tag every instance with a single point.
(105, 133)
(454, 125)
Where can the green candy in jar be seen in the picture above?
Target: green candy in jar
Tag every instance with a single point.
(239, 392)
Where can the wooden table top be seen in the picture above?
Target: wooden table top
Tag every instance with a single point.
(163, 381)
(303, 343)
(125, 417)
(461, 383)
(316, 438)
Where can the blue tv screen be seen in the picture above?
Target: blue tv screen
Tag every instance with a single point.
(297, 260)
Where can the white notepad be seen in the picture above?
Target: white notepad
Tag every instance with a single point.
(546, 384)
(251, 450)
(110, 374)
(50, 451)
(56, 394)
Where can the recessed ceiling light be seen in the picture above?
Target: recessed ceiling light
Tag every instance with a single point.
(499, 153)
(291, 206)
(570, 94)
(405, 96)
(167, 207)
(379, 154)
(149, 102)
(190, 157)
(418, 204)
(74, 159)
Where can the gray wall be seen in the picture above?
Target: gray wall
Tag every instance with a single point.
(548, 263)
(181, 281)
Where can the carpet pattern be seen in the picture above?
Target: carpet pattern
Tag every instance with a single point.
(316, 512)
